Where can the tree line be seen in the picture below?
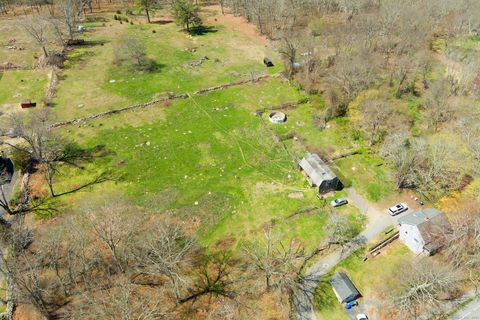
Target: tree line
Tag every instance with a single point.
(115, 260)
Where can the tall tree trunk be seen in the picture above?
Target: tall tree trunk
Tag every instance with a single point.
(45, 51)
(148, 15)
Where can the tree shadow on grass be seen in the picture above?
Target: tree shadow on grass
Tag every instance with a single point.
(156, 67)
(76, 156)
(202, 30)
(161, 22)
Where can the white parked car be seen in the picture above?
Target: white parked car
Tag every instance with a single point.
(362, 316)
(338, 202)
(397, 209)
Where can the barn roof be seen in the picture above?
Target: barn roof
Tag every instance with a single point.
(316, 169)
(6, 170)
(343, 286)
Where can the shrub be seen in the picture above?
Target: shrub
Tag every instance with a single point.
(118, 12)
(132, 53)
(303, 100)
(115, 17)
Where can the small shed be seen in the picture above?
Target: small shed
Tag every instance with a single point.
(27, 104)
(319, 174)
(343, 287)
(6, 170)
(267, 62)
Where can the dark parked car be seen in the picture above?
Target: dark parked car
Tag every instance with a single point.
(267, 62)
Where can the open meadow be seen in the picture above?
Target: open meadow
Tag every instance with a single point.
(207, 159)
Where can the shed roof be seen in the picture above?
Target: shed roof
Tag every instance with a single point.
(6, 170)
(343, 287)
(316, 169)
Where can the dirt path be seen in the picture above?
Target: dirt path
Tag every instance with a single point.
(235, 24)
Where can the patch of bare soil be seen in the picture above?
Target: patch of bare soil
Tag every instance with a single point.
(405, 196)
(296, 195)
(26, 312)
(235, 24)
(36, 185)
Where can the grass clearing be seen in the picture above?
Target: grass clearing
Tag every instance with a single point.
(368, 176)
(20, 85)
(112, 86)
(207, 159)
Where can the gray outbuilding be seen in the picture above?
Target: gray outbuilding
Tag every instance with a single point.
(343, 287)
(318, 174)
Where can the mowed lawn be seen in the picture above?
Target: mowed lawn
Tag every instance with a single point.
(209, 161)
(19, 85)
(93, 83)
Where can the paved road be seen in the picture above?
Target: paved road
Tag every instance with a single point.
(469, 312)
(7, 189)
(377, 221)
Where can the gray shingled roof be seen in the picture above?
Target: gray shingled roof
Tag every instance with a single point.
(432, 224)
(316, 169)
(343, 286)
(419, 216)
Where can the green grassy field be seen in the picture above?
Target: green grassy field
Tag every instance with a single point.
(209, 160)
(99, 85)
(369, 277)
(22, 84)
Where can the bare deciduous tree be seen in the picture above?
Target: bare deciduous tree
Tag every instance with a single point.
(164, 250)
(115, 223)
(426, 286)
(39, 30)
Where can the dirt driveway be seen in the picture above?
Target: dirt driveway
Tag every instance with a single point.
(377, 221)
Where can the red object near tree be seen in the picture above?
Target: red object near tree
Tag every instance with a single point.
(28, 104)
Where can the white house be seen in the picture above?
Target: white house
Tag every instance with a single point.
(423, 230)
